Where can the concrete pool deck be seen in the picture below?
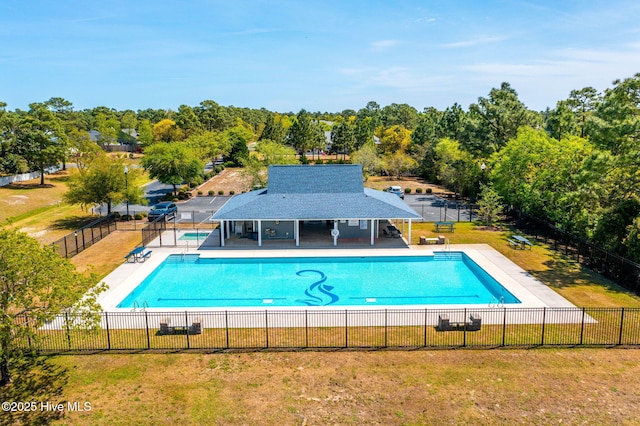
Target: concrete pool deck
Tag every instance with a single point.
(531, 292)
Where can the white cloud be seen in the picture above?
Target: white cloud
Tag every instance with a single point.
(475, 41)
(384, 44)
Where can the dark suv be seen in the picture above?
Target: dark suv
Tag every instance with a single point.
(166, 209)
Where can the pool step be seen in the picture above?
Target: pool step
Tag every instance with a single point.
(183, 258)
(447, 255)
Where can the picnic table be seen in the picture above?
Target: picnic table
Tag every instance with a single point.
(448, 226)
(138, 254)
(523, 242)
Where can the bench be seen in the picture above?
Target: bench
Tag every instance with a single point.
(444, 324)
(425, 241)
(513, 243)
(166, 328)
(145, 256)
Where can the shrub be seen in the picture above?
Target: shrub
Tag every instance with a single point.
(211, 193)
(407, 190)
(221, 192)
(418, 190)
(199, 193)
(232, 192)
(140, 216)
(428, 191)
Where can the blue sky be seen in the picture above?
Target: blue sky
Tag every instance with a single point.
(317, 55)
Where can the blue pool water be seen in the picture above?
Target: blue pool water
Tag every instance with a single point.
(183, 281)
(194, 236)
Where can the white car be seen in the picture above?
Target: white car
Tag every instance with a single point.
(396, 190)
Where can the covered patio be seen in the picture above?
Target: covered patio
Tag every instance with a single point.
(324, 204)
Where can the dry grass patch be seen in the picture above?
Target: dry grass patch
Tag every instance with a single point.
(585, 386)
(107, 254)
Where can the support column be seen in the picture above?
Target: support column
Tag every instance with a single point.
(409, 233)
(259, 233)
(222, 233)
(373, 230)
(296, 232)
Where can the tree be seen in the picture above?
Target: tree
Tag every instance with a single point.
(108, 126)
(213, 116)
(172, 164)
(497, 120)
(38, 136)
(490, 205)
(145, 132)
(368, 158)
(395, 139)
(83, 148)
(455, 166)
(343, 138)
(273, 129)
(105, 182)
(267, 152)
(188, 121)
(398, 162)
(210, 145)
(167, 131)
(36, 284)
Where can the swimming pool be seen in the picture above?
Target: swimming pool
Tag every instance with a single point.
(188, 281)
(194, 236)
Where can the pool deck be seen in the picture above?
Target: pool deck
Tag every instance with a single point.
(530, 291)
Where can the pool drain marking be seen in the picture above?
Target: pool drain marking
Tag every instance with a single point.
(318, 286)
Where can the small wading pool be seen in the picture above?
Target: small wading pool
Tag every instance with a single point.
(187, 281)
(193, 236)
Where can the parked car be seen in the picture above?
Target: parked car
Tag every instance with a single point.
(396, 190)
(166, 209)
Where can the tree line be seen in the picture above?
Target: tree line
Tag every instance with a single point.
(575, 165)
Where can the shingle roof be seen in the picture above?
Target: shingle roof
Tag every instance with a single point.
(305, 179)
(315, 192)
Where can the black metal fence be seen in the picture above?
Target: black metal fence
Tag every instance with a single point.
(309, 329)
(74, 243)
(622, 271)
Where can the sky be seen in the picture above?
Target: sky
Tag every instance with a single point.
(318, 55)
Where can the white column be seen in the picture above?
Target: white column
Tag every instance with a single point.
(221, 233)
(296, 232)
(373, 230)
(259, 233)
(409, 233)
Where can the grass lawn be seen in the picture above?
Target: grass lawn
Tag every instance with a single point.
(39, 211)
(497, 387)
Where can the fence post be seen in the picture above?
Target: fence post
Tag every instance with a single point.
(385, 328)
(544, 318)
(26, 323)
(464, 329)
(346, 328)
(621, 326)
(226, 326)
(186, 326)
(582, 326)
(306, 328)
(504, 325)
(106, 321)
(66, 322)
(146, 322)
(266, 326)
(425, 327)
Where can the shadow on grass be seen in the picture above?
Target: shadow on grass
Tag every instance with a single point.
(72, 223)
(35, 380)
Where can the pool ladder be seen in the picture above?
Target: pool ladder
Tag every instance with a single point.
(137, 306)
(496, 303)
